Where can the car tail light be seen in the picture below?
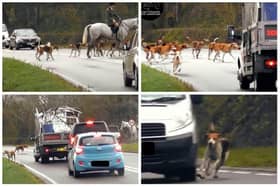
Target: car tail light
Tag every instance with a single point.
(79, 150)
(270, 63)
(118, 148)
(46, 150)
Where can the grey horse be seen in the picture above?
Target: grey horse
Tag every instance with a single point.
(97, 31)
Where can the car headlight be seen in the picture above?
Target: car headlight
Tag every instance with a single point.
(181, 121)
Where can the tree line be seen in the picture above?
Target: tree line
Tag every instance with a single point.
(244, 120)
(61, 22)
(197, 20)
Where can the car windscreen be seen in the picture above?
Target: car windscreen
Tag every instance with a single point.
(269, 12)
(162, 98)
(84, 127)
(97, 140)
(27, 32)
(114, 129)
(4, 28)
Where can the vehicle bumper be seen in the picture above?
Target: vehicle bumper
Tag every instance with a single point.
(113, 164)
(162, 155)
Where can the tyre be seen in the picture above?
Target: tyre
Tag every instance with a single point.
(187, 174)
(36, 158)
(121, 172)
(44, 160)
(127, 80)
(265, 83)
(76, 173)
(244, 83)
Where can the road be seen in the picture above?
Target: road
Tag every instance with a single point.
(57, 170)
(225, 177)
(201, 73)
(96, 74)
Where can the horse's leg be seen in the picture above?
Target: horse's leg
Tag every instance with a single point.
(88, 51)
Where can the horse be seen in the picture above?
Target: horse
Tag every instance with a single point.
(129, 130)
(217, 152)
(94, 32)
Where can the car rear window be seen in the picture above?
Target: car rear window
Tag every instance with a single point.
(114, 129)
(97, 140)
(83, 128)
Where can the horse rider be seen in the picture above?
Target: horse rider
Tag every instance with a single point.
(113, 19)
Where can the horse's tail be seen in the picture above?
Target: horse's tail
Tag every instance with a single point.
(86, 35)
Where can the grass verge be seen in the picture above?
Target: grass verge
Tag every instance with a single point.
(153, 80)
(16, 174)
(19, 76)
(131, 148)
(249, 156)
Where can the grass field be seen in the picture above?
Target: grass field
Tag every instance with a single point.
(19, 76)
(249, 157)
(153, 80)
(131, 148)
(16, 174)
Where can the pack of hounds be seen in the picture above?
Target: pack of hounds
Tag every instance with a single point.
(163, 49)
(11, 154)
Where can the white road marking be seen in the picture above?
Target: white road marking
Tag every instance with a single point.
(242, 172)
(266, 174)
(131, 169)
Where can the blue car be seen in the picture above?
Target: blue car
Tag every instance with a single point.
(97, 151)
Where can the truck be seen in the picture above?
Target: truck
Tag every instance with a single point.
(52, 129)
(257, 61)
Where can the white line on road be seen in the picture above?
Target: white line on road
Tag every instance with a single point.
(131, 169)
(266, 174)
(242, 172)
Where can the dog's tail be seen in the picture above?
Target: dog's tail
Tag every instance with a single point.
(217, 38)
(86, 34)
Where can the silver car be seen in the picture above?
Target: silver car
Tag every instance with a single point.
(22, 38)
(130, 62)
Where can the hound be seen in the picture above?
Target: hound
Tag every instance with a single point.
(225, 48)
(211, 46)
(10, 154)
(196, 46)
(75, 48)
(217, 152)
(48, 48)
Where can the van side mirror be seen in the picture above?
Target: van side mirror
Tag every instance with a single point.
(232, 35)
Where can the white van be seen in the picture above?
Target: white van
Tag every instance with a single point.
(5, 36)
(168, 133)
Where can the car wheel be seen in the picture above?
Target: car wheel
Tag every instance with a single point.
(121, 172)
(76, 173)
(244, 83)
(17, 47)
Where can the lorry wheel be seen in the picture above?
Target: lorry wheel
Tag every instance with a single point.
(127, 81)
(36, 159)
(70, 172)
(44, 160)
(244, 84)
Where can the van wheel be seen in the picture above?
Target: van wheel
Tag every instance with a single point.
(187, 174)
(127, 81)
